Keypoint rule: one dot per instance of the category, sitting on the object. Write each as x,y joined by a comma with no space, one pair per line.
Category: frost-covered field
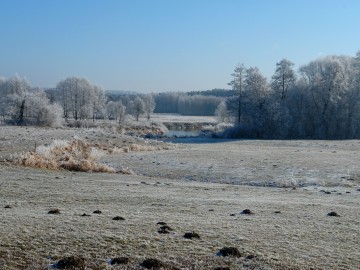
252,162
177,118
294,185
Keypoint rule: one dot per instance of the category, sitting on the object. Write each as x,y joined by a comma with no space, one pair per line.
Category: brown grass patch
75,155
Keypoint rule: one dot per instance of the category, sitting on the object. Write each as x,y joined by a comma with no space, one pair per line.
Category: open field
252,162
290,186
177,118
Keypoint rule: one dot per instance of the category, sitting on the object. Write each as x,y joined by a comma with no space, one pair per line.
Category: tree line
78,99
72,99
319,101
187,103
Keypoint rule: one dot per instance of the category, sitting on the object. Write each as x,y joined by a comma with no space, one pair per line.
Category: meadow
290,187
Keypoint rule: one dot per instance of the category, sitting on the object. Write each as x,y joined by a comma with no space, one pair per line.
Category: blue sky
173,45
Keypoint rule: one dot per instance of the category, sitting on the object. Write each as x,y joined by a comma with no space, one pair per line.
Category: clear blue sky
172,45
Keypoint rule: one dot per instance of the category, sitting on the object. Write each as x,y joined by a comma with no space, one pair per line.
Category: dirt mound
72,262
118,218
120,260
152,264
247,212
161,223
163,230
54,211
333,214
229,251
191,235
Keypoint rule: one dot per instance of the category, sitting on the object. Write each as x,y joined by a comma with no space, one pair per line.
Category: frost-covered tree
80,99
222,112
39,111
167,102
23,105
149,105
121,112
13,94
116,110
327,83
237,84
98,102
284,78
130,107
198,105
256,86
138,107
112,110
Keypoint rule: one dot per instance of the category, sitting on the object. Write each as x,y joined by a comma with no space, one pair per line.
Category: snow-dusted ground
191,188
252,162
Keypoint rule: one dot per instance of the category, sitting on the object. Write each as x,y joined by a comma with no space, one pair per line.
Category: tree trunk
21,113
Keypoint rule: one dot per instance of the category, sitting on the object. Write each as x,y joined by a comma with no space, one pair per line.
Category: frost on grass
75,155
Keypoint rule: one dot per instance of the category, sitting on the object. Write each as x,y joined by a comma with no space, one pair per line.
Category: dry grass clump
126,171
75,155
138,147
143,128
135,147
145,147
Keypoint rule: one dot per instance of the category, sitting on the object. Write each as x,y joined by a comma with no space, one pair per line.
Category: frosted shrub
96,153
223,126
138,148
43,150
60,143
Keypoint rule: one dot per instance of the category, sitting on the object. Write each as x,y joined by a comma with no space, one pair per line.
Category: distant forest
321,100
